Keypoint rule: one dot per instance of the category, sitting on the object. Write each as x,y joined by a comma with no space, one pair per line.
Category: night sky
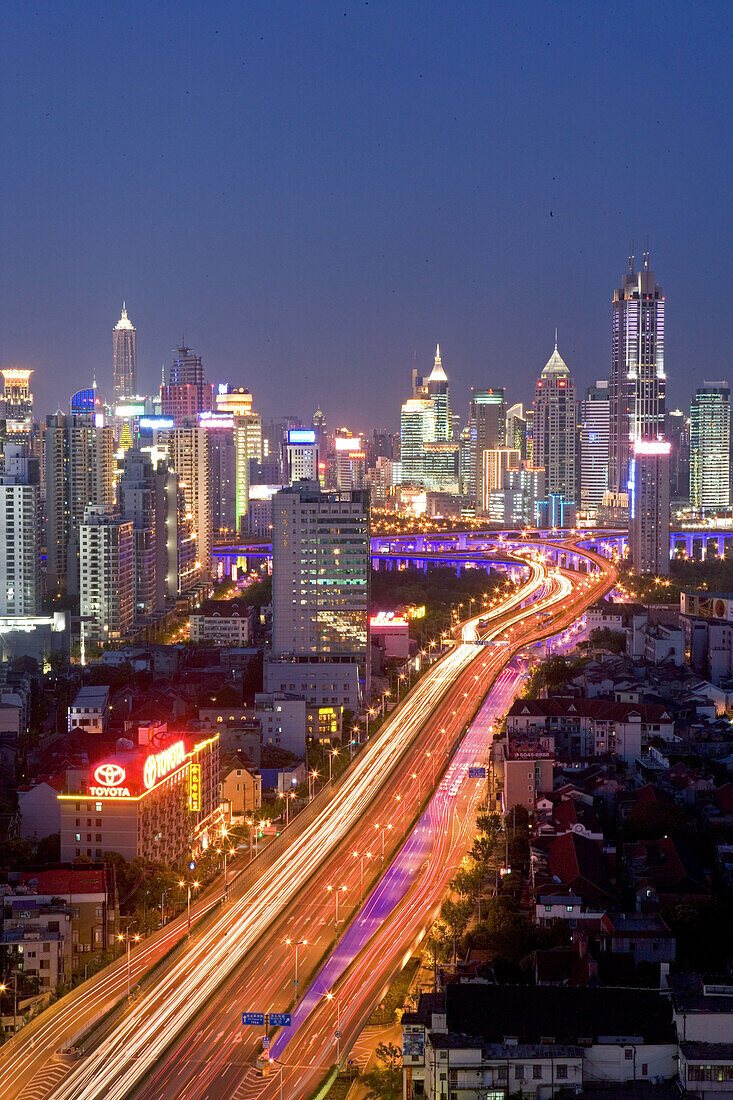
313,192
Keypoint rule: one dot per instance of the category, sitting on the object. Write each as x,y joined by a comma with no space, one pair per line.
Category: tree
605,638
49,849
16,854
385,1080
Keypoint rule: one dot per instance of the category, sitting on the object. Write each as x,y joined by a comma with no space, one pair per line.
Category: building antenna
631,256
555,337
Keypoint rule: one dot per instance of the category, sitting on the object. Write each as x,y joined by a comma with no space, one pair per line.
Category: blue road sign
257,1018
265,1042
477,773
280,1019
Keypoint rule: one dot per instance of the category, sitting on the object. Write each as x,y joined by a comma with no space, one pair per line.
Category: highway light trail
153,1021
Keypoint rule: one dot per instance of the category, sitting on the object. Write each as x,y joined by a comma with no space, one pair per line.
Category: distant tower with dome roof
554,427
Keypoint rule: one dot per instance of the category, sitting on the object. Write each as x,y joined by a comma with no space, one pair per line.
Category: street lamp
330,997
336,890
128,938
416,775
364,855
287,795
401,801
311,783
369,714
188,884
162,905
383,828
354,732
296,944
331,755
3,989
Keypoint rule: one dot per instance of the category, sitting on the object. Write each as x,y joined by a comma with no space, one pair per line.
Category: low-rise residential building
90,897
90,709
647,938
222,623
391,633
525,762
38,806
241,786
543,1041
585,728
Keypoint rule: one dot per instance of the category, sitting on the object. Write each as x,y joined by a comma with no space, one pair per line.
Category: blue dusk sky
315,193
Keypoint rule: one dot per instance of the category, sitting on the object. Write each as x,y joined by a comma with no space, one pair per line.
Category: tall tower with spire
124,358
638,382
554,427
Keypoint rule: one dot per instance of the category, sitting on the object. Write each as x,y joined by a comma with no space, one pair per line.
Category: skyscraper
79,471
638,381
301,455
594,443
554,427
487,426
124,358
710,448
187,393
20,533
428,452
106,572
649,523
188,452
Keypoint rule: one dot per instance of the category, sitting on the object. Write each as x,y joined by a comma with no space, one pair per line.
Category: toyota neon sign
109,779
162,763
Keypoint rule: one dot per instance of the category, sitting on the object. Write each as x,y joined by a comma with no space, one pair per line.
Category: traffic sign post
265,1042
476,773
280,1019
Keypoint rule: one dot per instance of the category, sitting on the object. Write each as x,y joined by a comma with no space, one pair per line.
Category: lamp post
188,884
354,733
312,776
128,938
331,755
363,856
162,905
227,852
3,989
330,997
296,944
401,801
369,714
336,890
416,775
383,828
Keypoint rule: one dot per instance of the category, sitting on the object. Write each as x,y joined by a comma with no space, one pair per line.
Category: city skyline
454,191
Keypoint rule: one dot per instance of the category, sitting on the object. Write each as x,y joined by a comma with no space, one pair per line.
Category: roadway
185,1006
214,1059
27,1064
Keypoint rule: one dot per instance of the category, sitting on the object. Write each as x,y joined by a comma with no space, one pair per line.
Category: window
519,1072
628,1055
536,1073
98,807
562,1072
644,1069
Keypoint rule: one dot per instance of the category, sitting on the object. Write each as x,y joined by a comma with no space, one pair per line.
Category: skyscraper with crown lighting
124,358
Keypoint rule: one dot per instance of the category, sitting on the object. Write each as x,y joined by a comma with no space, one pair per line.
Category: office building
710,449
638,382
677,432
554,427
649,524
20,533
487,424
236,402
17,398
178,569
516,429
188,455
350,462
106,575
516,503
496,462
595,413
137,491
248,449
223,463
187,393
158,801
301,455
320,578
428,453
124,358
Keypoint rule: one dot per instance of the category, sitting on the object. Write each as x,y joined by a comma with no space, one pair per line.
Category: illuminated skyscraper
554,427
124,358
429,455
710,448
188,451
638,381
594,437
487,426
187,393
649,523
20,533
